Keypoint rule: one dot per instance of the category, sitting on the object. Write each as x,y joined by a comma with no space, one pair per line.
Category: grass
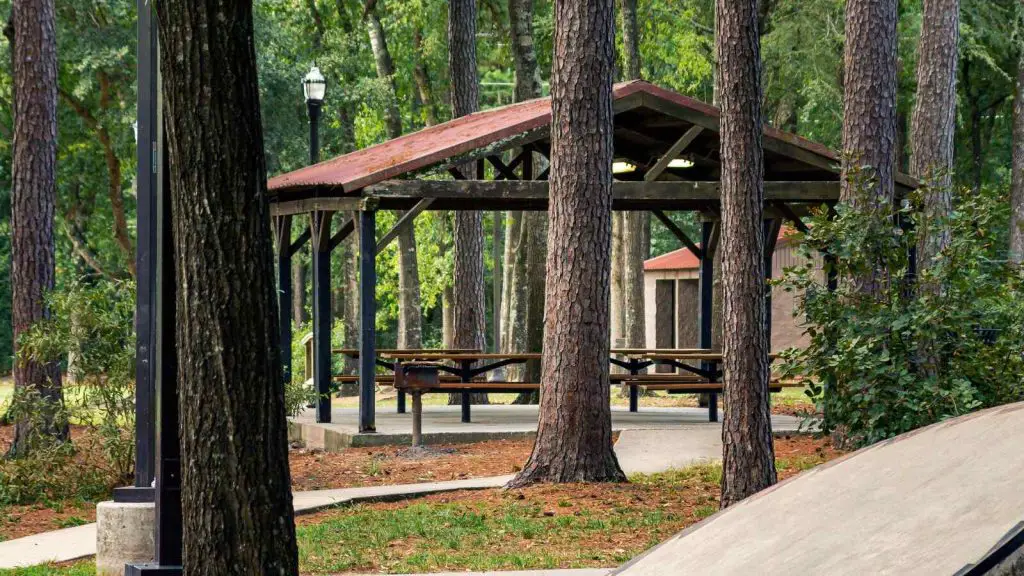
511,530
543,527
79,568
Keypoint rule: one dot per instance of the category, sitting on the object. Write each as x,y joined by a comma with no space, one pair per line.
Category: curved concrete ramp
929,502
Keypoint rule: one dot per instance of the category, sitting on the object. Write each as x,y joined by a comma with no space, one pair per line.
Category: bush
91,330
890,352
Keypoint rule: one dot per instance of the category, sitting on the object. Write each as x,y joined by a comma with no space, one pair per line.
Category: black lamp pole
313,106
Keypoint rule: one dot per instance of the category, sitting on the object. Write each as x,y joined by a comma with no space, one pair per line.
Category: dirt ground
317,470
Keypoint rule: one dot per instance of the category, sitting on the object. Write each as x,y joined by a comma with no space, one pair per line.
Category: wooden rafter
673,152
405,220
678,232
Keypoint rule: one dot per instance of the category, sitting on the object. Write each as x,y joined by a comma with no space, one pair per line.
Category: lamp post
314,86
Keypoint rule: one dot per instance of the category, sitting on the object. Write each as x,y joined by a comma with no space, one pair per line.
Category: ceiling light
680,163
622,168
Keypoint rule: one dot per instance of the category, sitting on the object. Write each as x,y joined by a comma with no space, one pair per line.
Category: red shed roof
435,144
683,259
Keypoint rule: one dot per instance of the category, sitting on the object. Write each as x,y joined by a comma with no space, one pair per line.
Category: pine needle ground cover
561,526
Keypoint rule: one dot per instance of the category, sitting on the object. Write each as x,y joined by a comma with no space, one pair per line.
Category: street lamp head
314,86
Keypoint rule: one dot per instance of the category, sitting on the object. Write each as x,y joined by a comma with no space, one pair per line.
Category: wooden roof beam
673,152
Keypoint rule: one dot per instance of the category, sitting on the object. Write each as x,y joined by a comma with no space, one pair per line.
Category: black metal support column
707,281
634,391
320,228
367,317
283,231
145,254
168,531
771,234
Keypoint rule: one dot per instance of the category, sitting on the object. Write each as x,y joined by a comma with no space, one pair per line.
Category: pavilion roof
648,120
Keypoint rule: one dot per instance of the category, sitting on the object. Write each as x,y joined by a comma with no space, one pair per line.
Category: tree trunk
636,226
630,41
410,317
748,460
933,125
636,242
574,432
1017,187
524,258
33,194
299,290
869,102
468,302
618,307
350,316
235,488
422,78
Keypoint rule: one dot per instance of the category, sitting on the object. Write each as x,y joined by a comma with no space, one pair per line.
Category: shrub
891,351
91,330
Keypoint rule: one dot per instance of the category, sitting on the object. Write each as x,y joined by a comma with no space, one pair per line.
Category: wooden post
320,227
367,317
283,231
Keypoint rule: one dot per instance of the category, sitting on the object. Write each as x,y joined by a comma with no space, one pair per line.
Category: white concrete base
124,535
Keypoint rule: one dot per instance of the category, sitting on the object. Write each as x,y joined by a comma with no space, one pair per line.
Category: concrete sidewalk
443,425
80,541
570,572
929,502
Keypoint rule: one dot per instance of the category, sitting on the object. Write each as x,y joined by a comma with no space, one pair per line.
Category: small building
672,298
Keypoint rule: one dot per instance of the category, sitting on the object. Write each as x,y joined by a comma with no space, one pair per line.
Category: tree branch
124,241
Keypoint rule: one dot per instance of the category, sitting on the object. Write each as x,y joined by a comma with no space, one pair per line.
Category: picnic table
463,371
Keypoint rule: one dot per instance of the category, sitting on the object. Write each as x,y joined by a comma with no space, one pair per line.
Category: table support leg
713,407
401,401
466,416
634,392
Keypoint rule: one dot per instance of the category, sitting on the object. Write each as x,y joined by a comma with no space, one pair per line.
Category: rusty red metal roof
683,259
434,144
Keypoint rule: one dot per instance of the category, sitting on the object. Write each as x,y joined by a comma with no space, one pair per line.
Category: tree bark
524,250
933,124
574,433
748,454
235,488
421,76
869,102
468,302
1017,186
636,226
299,290
33,195
630,41
410,316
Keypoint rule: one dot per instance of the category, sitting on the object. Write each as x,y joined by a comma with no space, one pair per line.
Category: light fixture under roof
680,163
623,167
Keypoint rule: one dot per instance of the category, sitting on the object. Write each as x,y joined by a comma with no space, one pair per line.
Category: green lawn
6,389
82,568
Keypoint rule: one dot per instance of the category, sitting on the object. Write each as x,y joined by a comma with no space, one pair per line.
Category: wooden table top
710,356
458,356
381,351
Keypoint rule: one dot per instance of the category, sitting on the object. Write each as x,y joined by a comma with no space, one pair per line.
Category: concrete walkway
442,425
929,502
652,451
80,541
639,451
571,572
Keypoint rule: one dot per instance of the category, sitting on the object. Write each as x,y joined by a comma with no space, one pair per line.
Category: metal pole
146,178
417,418
367,317
313,106
707,281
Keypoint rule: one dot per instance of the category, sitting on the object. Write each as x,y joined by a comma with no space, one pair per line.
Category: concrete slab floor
442,424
